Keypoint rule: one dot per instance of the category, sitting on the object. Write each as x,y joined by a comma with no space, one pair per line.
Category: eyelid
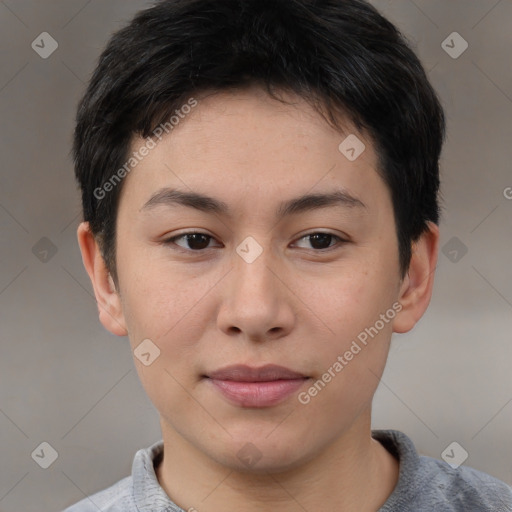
171,241
341,241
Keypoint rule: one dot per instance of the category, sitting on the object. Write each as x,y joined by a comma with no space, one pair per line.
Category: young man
259,183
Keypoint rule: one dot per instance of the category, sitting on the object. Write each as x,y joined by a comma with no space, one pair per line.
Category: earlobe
108,300
416,289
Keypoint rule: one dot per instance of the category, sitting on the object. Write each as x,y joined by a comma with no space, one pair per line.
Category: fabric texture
425,484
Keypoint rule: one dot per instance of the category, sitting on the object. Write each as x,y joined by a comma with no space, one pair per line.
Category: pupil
322,237
193,238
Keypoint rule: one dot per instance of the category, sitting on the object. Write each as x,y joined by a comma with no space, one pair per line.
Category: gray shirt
424,484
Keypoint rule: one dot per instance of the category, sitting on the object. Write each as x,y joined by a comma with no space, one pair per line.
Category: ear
107,298
416,289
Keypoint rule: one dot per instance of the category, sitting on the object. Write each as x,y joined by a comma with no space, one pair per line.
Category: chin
258,453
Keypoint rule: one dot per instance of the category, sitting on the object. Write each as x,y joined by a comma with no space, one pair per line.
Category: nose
258,301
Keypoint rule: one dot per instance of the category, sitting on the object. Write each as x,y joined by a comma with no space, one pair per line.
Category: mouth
247,386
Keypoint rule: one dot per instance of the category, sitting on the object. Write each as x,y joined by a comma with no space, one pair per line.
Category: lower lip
257,394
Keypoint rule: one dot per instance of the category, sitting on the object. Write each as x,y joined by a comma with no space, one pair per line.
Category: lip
248,386
245,373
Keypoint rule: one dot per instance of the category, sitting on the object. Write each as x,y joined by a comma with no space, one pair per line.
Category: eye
196,241
320,241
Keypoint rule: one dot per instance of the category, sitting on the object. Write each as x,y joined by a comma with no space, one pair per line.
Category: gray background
66,381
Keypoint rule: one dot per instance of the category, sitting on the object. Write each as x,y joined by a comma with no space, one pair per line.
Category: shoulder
426,484
139,491
462,489
116,498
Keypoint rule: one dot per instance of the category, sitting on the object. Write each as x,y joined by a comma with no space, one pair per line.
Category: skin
296,305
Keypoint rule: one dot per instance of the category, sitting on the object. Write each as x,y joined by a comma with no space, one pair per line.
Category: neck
354,473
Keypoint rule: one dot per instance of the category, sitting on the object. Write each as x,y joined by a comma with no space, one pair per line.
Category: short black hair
342,56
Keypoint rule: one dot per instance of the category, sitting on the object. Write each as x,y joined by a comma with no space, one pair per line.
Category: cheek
347,301
350,305
168,310
349,371
158,300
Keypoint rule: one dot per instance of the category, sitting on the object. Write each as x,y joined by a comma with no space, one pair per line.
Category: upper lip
244,373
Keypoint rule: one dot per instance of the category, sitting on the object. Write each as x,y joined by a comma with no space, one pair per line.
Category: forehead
239,144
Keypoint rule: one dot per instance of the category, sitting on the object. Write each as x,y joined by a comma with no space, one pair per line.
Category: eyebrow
173,197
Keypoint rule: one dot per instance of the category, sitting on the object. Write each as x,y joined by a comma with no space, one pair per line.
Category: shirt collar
150,497
147,492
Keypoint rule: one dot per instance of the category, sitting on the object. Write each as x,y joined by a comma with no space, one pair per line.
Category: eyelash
171,241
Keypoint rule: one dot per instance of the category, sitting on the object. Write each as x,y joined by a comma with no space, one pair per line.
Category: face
261,284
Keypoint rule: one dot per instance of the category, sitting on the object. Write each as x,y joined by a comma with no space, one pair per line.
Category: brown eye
321,241
193,241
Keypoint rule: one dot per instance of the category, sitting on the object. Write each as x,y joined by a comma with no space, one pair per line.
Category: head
254,104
